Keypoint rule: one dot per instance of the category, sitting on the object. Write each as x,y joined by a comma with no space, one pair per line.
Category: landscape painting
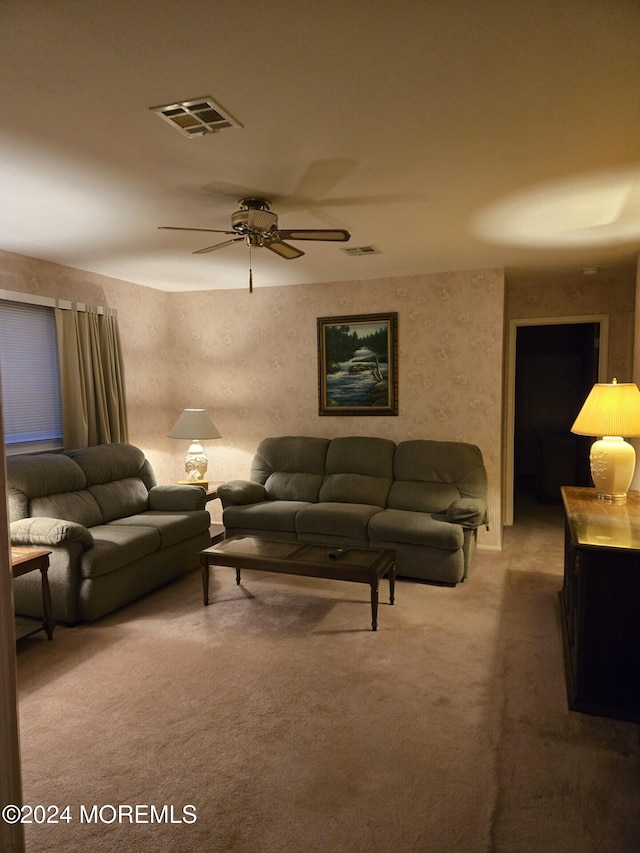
357,365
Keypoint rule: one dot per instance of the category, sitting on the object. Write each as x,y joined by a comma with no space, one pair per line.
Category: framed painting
358,365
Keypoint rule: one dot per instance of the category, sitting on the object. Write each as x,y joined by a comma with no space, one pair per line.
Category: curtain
91,378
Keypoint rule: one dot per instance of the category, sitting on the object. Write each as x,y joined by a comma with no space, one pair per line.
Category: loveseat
113,533
424,499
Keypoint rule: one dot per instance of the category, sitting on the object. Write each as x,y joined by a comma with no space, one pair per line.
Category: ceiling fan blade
178,228
283,249
338,234
217,245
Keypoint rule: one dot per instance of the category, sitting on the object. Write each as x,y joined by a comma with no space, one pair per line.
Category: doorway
552,365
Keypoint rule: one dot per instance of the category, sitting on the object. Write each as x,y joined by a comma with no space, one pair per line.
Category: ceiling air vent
361,250
196,116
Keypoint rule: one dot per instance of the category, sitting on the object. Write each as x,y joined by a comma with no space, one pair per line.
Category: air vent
196,116
361,250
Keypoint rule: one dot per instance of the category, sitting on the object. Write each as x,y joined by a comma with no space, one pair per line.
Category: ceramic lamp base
613,463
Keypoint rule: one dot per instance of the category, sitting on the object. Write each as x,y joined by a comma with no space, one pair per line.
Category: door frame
510,408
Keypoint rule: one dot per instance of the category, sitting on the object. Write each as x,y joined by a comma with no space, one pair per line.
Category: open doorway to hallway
556,366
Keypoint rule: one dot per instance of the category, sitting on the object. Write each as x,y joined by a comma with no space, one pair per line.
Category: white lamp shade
194,424
610,409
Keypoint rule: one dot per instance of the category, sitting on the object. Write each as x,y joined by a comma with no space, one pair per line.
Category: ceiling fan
257,225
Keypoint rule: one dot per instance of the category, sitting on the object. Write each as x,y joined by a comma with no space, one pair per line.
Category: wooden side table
599,604
24,560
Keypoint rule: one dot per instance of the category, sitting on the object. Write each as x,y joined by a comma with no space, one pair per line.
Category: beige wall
535,297
577,295
251,360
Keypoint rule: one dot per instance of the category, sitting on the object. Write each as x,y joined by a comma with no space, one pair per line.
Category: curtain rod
50,302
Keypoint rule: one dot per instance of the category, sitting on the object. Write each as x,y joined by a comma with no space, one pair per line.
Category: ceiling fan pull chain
250,271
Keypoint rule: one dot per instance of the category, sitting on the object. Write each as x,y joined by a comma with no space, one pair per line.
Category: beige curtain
91,378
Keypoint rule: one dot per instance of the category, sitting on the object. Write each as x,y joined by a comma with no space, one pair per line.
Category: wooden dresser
600,604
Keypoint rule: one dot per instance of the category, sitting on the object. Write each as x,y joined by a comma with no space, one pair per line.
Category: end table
25,560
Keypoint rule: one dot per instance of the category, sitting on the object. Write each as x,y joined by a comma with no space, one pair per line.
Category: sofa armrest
41,530
467,512
238,492
177,498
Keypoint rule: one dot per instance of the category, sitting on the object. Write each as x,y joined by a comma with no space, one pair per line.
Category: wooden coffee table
359,565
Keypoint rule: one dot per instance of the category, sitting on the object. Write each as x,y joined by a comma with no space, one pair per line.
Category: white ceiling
457,135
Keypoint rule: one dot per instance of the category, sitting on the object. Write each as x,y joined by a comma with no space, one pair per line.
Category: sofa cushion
120,497
422,497
359,470
103,463
31,477
293,486
290,467
343,520
266,515
79,506
415,528
452,462
173,527
115,546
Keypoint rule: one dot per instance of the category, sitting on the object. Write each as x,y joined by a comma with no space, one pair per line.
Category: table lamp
191,423
611,411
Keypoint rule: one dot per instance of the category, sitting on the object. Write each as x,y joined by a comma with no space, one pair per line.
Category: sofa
113,533
424,499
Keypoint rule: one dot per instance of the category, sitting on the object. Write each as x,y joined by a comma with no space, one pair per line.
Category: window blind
31,400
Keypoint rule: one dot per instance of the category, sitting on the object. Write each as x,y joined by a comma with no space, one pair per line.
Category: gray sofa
114,534
424,499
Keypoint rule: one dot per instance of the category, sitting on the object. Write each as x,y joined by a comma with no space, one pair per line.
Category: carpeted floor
287,725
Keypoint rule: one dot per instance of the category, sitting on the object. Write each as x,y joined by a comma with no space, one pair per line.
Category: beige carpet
289,726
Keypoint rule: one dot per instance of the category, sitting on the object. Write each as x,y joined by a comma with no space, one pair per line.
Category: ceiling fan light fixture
254,215
258,225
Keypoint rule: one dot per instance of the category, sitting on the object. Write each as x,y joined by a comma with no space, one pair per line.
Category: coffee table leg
374,605
237,576
205,580
392,584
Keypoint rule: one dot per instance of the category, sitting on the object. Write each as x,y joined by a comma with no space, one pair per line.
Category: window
31,400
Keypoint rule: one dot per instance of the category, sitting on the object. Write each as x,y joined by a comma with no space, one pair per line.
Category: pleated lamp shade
611,411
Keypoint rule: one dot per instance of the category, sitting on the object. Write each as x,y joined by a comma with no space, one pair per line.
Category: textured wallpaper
577,295
252,362
251,359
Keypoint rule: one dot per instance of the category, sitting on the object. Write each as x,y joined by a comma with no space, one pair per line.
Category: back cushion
120,498
359,470
104,463
430,475
30,477
422,497
79,506
290,467
119,478
439,461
